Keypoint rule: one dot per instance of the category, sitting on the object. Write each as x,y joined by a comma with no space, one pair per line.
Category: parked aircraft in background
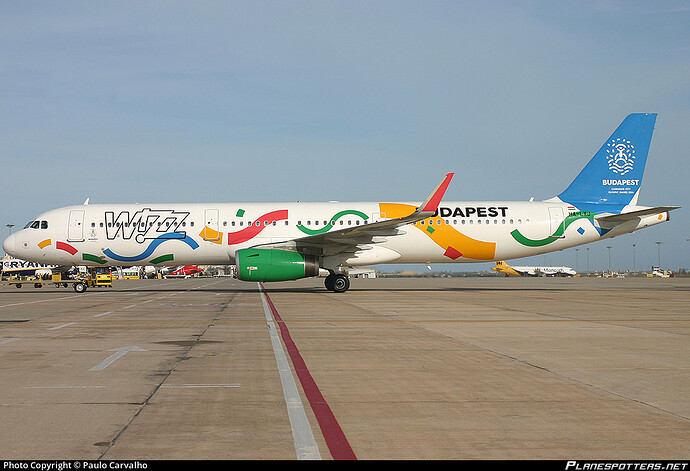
184,271
656,271
16,267
287,241
503,267
151,271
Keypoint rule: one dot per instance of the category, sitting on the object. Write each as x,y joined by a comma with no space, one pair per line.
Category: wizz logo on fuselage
144,224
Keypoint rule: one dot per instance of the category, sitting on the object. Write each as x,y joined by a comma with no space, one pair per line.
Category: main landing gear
337,282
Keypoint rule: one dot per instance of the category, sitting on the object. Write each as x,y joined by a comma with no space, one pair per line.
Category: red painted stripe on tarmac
335,438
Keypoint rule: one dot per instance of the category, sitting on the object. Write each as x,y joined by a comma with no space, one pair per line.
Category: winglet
430,205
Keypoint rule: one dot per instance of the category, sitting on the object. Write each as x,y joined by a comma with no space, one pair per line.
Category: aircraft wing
351,238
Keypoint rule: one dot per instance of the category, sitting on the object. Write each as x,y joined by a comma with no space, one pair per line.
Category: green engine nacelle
274,265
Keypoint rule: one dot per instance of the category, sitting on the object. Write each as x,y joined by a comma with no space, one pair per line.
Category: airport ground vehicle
80,282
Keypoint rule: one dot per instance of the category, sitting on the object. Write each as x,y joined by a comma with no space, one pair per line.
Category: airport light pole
609,247
633,246
577,259
658,249
587,259
10,226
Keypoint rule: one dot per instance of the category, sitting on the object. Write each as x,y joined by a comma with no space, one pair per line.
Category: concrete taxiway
444,368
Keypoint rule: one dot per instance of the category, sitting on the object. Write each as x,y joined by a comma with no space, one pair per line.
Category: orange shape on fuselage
211,235
454,243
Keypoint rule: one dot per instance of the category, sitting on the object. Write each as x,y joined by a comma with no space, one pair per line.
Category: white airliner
508,270
288,241
14,267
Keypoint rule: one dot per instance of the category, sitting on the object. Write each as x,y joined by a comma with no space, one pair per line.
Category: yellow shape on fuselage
211,235
455,243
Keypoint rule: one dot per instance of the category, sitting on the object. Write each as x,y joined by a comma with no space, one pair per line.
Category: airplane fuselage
180,234
288,241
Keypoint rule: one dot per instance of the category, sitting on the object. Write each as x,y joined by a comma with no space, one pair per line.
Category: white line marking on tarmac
302,435
9,340
119,353
34,302
61,326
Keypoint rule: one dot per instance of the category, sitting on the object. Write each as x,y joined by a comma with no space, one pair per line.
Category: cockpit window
37,225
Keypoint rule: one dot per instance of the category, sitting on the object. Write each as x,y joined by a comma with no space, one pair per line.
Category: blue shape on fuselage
152,247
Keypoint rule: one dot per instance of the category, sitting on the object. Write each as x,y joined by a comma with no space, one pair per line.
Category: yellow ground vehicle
103,280
83,280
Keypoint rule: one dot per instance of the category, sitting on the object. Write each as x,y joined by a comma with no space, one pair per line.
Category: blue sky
340,100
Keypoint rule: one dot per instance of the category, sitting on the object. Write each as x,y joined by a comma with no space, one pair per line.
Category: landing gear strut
337,282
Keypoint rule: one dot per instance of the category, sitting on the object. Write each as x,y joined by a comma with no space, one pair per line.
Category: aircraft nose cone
9,245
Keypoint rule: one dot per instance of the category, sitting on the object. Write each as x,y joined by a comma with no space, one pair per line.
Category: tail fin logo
620,155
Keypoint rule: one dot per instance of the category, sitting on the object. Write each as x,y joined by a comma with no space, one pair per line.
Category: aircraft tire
329,281
341,283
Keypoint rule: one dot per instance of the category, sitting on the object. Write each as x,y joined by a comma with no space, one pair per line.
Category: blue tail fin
613,177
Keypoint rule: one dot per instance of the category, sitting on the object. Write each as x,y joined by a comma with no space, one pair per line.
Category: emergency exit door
211,229
555,219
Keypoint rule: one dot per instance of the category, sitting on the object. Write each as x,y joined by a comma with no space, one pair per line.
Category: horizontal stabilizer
618,218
